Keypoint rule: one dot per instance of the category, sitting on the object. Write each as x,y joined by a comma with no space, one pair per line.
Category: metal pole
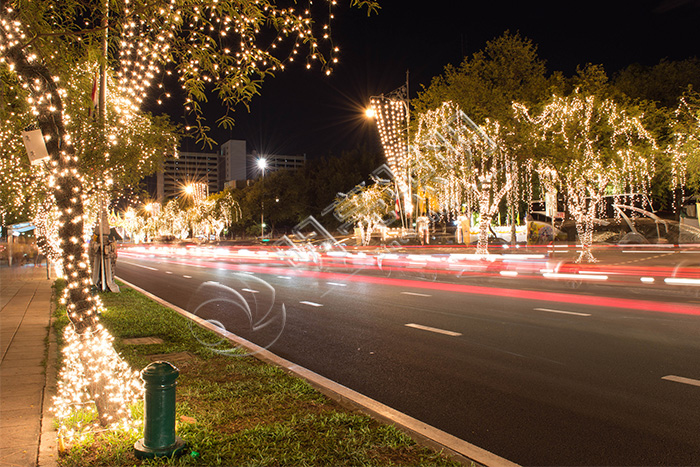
408,169
103,274
103,63
262,207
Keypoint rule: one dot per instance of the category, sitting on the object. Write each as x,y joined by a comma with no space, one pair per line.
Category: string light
465,164
607,151
81,174
206,217
683,149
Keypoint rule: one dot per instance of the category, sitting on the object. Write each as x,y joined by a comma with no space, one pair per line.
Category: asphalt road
540,377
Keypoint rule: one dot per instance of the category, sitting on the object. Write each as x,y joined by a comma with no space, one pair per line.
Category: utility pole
101,116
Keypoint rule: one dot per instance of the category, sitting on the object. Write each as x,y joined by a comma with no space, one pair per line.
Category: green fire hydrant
159,438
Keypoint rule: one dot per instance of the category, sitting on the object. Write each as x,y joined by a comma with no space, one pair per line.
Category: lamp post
392,114
262,164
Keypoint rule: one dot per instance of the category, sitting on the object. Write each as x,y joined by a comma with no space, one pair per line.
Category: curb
422,433
48,446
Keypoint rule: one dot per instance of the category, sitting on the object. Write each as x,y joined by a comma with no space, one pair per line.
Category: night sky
305,112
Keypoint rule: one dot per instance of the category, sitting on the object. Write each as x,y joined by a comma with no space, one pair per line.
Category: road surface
540,374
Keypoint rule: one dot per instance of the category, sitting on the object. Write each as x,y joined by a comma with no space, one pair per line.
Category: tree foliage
50,50
663,83
684,150
588,147
484,86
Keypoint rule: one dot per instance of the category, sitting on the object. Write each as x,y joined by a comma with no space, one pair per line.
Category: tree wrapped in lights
392,115
222,46
469,164
684,149
366,208
204,217
589,147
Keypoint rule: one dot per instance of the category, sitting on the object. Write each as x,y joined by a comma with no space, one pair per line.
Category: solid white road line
310,303
681,281
656,252
140,266
548,310
345,395
437,330
680,379
415,294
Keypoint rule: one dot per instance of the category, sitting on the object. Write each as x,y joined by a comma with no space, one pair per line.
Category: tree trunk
584,228
68,192
482,246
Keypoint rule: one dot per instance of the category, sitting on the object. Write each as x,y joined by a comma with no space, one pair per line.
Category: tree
589,147
366,207
684,149
222,46
663,83
470,164
507,69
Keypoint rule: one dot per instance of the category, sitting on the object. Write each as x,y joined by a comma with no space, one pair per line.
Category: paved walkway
25,299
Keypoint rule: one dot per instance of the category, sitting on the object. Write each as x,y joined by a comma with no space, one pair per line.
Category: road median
235,409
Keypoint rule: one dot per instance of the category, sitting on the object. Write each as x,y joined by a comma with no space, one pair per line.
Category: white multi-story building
185,169
232,167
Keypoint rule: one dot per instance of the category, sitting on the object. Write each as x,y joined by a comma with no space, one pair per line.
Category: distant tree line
485,85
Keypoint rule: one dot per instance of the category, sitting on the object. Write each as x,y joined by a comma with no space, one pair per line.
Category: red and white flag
93,97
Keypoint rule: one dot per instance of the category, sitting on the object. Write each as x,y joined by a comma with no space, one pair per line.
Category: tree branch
62,33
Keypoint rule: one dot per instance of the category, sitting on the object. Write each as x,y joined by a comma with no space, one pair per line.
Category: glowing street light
262,164
392,115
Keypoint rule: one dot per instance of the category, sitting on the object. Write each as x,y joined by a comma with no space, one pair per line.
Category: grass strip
237,410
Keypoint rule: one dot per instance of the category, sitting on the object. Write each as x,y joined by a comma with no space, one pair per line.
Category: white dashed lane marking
549,310
304,302
416,294
436,330
680,379
141,266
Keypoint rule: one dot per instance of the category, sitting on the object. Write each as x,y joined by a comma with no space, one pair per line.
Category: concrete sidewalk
25,314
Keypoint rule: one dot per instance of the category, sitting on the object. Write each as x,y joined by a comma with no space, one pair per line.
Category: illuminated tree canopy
470,164
588,147
685,146
49,52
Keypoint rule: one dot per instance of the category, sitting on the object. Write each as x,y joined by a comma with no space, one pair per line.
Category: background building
233,164
188,167
232,167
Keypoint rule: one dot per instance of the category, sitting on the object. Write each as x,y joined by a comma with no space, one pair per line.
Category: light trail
506,293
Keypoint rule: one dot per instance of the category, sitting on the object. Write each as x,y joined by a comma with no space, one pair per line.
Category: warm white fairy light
606,150
469,163
685,146
366,208
392,121
213,41
91,366
205,217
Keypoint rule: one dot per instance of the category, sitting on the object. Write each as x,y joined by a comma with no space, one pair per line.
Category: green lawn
237,410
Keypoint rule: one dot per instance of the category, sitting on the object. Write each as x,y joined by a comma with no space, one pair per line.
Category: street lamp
262,164
392,114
